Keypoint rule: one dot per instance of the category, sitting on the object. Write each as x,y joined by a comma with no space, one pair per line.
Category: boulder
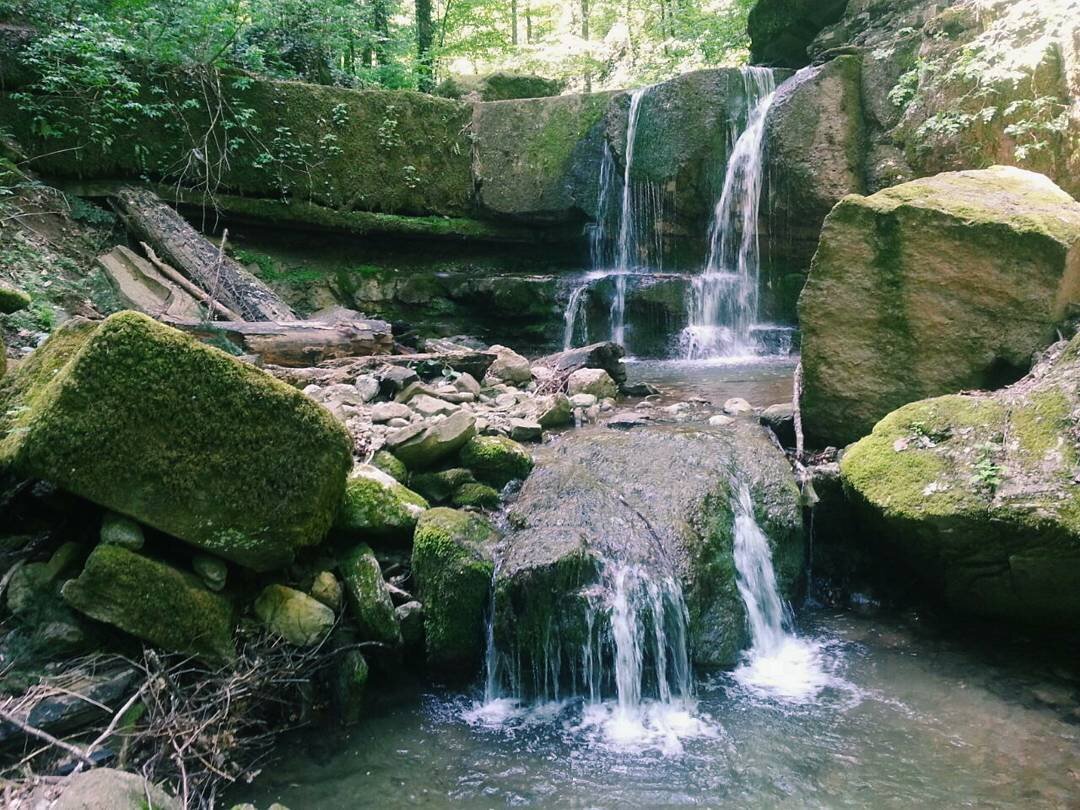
376,505
476,496
118,530
780,419
146,421
593,381
420,447
293,615
452,566
350,677
325,588
978,494
509,367
153,601
391,465
553,411
369,598
12,300
658,499
496,460
103,789
607,356
942,284
437,487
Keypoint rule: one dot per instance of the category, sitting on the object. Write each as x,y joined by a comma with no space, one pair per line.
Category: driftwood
186,250
296,343
607,356
141,285
346,371
184,283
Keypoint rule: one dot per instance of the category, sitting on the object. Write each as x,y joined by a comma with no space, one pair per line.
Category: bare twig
26,728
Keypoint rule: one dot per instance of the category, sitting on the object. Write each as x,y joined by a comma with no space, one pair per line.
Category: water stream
723,301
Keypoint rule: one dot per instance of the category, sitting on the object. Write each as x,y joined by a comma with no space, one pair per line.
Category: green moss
1039,425
439,486
496,460
369,599
562,126
389,464
452,565
377,505
153,601
143,419
12,300
480,496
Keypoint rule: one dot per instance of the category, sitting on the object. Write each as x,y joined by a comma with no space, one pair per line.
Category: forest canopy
584,44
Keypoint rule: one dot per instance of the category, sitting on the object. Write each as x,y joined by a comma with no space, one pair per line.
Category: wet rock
592,506
452,566
902,258
293,615
606,356
422,448
118,530
350,677
391,465
476,496
376,505
976,493
439,486
737,406
153,601
213,451
720,420
496,460
626,420
780,419
594,381
525,430
210,570
582,400
410,616
369,598
509,367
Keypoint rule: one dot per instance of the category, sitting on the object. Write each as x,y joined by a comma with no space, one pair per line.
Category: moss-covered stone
479,496
942,284
499,86
978,493
438,487
496,460
350,686
424,447
118,530
12,300
369,598
391,465
452,565
376,505
154,602
326,589
293,615
148,422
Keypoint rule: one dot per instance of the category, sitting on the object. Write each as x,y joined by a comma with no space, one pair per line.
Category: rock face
816,147
142,419
656,498
452,565
153,601
938,285
978,493
781,30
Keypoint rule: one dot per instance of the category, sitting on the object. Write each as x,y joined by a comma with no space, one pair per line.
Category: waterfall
778,663
723,300
620,251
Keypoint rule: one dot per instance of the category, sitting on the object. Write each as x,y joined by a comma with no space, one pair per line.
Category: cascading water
622,239
778,663
723,300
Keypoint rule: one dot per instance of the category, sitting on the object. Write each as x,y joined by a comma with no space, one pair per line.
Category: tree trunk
181,246
585,36
296,344
425,67
528,22
513,22
380,24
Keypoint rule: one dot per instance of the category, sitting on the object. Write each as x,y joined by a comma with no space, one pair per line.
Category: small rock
410,617
467,383
434,442
313,391
395,378
118,530
325,588
524,430
293,615
506,400
398,422
626,420
211,570
343,393
509,367
479,496
554,411
369,598
583,400
496,460
368,387
593,381
391,465
719,420
542,373
736,406
428,406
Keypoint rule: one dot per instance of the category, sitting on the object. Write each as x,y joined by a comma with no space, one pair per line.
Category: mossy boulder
496,460
942,284
477,496
293,615
369,598
978,493
391,465
421,447
350,678
12,300
499,86
146,421
376,505
153,601
452,565
439,486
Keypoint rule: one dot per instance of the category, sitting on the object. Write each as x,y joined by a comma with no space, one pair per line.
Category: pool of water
761,381
904,715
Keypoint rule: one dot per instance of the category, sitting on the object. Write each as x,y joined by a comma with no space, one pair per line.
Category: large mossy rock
499,86
942,284
452,564
153,601
496,460
978,493
369,598
659,500
377,506
143,419
781,30
425,445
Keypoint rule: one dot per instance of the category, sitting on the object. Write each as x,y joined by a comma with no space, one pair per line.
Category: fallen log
295,343
182,247
607,356
346,371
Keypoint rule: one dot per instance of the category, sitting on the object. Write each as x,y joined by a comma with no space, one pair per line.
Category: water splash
723,301
778,664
